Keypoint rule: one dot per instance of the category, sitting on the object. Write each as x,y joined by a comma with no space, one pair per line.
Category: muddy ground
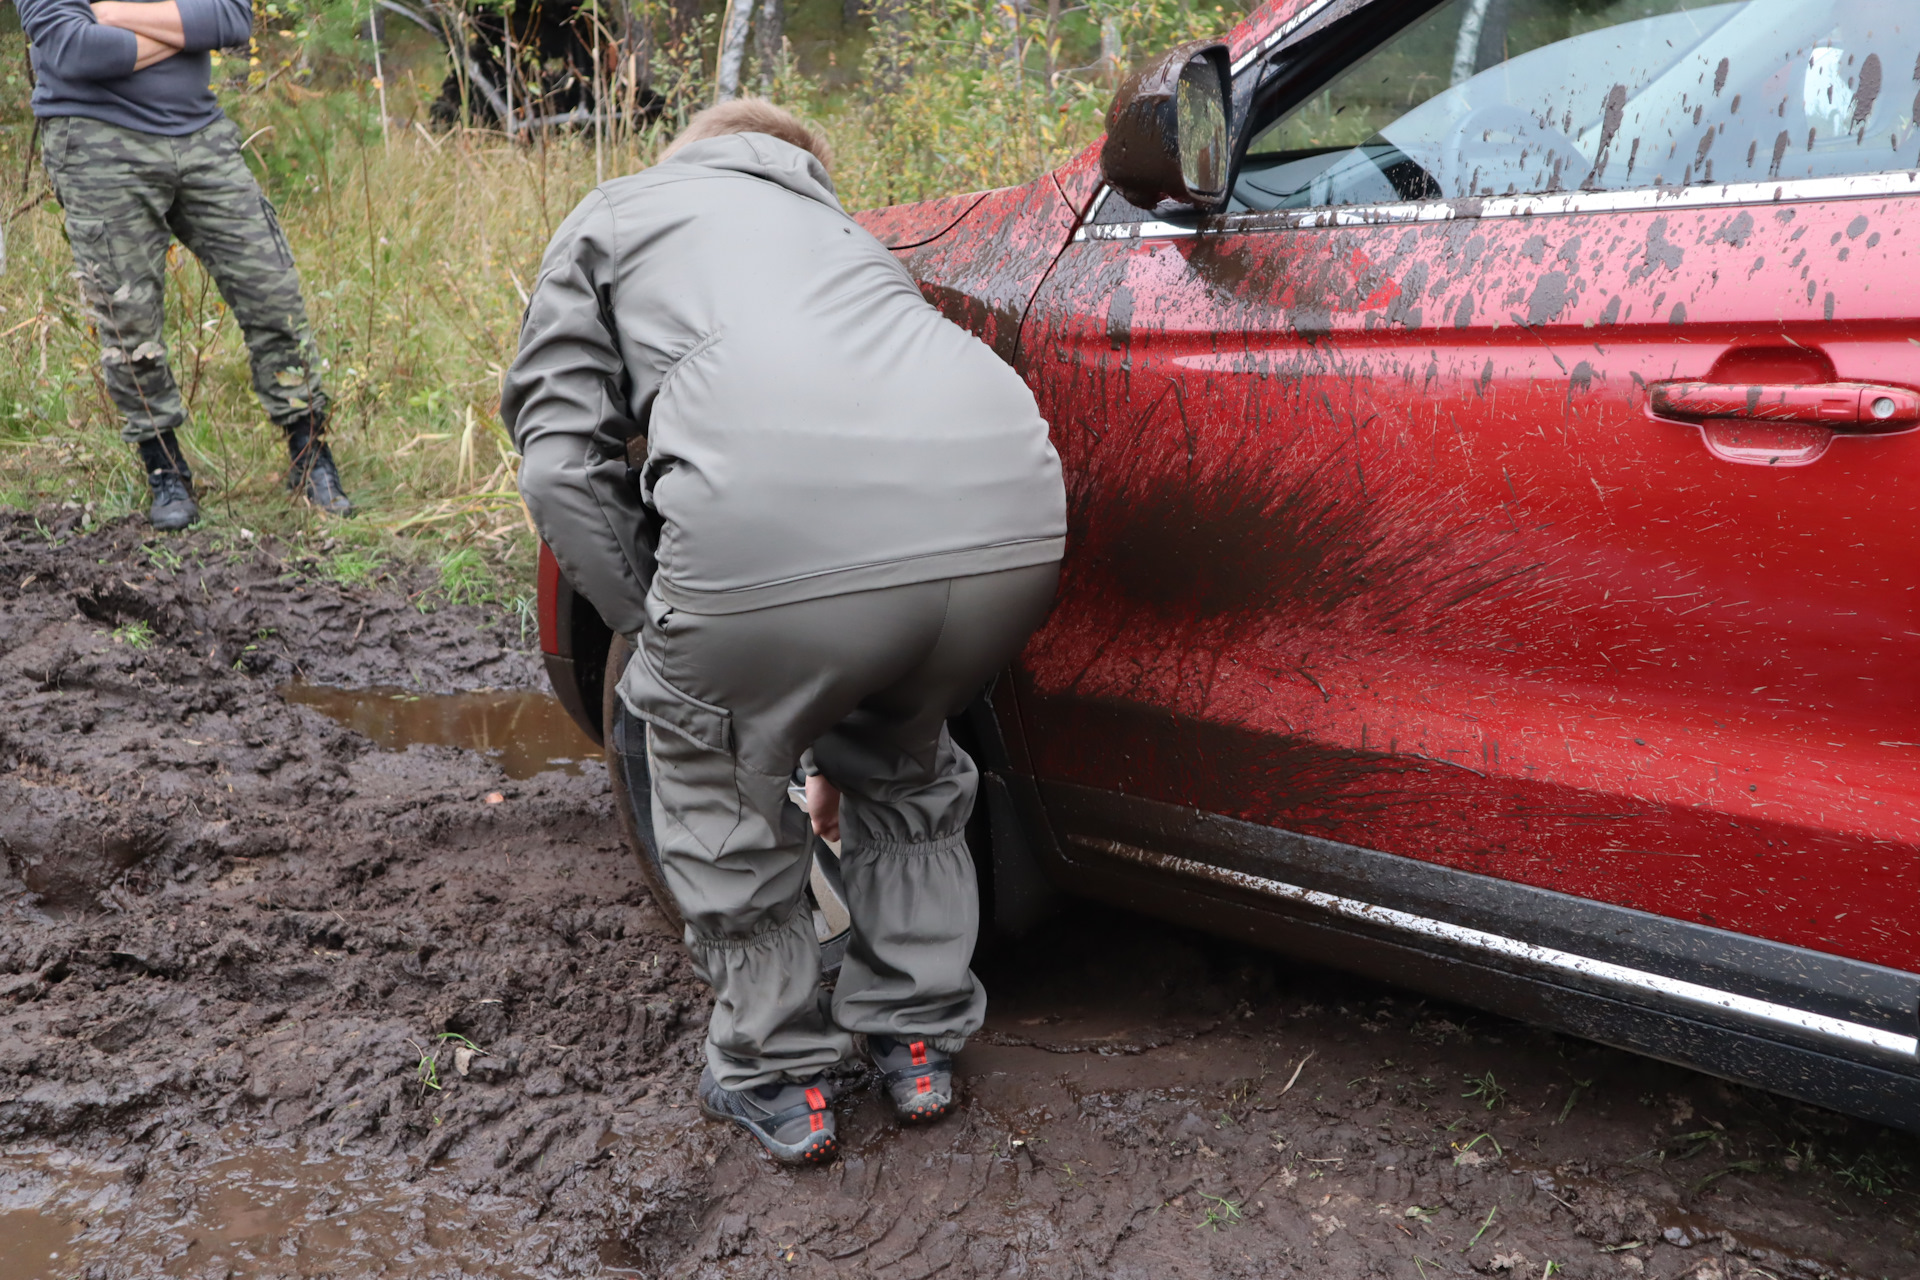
242,951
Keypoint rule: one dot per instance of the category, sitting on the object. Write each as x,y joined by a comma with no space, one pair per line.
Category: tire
632,786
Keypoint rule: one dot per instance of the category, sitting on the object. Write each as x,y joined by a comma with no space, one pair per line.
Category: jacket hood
761,155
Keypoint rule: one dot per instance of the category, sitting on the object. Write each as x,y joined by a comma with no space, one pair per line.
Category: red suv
1495,497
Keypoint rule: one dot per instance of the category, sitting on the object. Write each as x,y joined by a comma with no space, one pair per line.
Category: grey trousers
866,681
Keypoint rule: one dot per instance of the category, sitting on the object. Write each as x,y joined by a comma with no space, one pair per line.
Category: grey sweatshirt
84,69
804,423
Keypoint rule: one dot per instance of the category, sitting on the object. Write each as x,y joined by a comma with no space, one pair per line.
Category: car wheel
632,786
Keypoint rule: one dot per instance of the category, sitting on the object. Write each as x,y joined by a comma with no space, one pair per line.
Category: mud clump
274,1002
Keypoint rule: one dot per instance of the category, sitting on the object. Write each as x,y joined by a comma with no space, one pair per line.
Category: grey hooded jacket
801,421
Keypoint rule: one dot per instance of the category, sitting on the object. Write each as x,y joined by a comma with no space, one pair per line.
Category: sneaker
170,482
918,1078
313,474
793,1121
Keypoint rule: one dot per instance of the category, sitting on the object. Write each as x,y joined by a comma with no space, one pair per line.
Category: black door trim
1761,991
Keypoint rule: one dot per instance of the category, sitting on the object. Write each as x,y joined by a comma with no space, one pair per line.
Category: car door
1520,477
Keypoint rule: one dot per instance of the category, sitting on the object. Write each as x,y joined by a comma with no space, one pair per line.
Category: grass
1573,1096
426,1072
1221,1212
352,567
1489,1090
1867,1176
416,248
137,634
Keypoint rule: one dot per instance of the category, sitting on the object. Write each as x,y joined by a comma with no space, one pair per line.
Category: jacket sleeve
565,402
69,44
215,24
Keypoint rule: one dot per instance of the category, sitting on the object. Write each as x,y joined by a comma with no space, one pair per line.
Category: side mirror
1167,130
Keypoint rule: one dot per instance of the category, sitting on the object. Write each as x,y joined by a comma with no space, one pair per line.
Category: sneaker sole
918,1112
821,1149
922,1115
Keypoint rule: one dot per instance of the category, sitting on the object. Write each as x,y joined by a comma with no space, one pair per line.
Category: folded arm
158,22
192,25
564,400
69,42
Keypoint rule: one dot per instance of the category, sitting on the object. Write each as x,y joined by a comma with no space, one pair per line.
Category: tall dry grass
416,248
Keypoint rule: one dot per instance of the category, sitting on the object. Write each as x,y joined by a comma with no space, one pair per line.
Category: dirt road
277,1002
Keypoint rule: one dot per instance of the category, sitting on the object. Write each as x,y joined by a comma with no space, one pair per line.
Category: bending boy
828,515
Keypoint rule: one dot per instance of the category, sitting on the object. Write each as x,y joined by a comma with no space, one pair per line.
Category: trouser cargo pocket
695,775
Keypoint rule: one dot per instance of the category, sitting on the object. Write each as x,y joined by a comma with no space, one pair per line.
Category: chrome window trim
1280,33
1855,186
1619,975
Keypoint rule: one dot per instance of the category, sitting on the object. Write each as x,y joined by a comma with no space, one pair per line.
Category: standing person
827,515
139,153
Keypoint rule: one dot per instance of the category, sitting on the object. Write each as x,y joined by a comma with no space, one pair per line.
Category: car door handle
1838,406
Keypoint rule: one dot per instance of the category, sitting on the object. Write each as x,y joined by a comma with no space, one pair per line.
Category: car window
1511,97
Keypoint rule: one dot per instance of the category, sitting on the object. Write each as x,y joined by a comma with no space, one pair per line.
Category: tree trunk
769,41
733,49
1112,52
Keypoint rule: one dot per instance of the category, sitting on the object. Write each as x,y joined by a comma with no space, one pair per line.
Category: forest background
418,223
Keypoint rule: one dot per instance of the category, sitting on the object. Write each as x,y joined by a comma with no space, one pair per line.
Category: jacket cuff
214,24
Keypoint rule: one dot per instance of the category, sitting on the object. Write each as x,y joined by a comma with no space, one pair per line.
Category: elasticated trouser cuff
769,1020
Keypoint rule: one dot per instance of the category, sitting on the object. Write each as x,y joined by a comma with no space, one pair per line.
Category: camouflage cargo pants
127,195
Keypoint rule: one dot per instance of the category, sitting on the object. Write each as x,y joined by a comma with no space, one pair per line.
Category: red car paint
1376,535
549,598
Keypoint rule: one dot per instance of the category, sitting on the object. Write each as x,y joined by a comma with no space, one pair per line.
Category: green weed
1490,1091
1489,1138
1867,1176
1221,1213
465,577
1573,1096
352,567
137,634
427,1070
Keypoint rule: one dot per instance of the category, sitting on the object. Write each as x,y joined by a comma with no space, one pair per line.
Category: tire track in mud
242,953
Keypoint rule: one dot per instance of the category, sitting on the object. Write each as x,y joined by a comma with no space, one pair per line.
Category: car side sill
1852,1033
1823,1002
1830,1080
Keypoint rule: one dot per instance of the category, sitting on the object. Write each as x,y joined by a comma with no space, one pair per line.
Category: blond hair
753,115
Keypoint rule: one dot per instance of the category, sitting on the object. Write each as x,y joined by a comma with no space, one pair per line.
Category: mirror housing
1169,130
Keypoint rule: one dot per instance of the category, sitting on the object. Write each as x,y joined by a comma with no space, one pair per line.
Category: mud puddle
242,1210
525,731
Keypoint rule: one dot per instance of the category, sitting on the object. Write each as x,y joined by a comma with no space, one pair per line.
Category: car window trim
1856,186
1281,33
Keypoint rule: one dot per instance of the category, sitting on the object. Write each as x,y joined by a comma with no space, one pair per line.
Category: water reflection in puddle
524,731
243,1211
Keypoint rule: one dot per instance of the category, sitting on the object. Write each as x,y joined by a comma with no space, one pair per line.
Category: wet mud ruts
275,1002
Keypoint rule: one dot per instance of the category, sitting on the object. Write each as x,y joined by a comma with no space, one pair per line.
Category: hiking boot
918,1078
171,483
313,475
793,1121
